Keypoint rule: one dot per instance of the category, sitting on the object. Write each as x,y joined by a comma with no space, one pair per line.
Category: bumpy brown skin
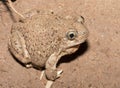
37,38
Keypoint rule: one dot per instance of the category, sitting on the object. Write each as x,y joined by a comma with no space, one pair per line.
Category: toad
41,40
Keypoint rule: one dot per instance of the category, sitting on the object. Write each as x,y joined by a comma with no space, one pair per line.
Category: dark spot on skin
38,11
116,32
52,12
41,43
21,20
90,85
59,39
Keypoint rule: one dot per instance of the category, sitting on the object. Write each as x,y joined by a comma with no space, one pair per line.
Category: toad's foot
41,76
59,73
10,4
28,66
49,84
52,74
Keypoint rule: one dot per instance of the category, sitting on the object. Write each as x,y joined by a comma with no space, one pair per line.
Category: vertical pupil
71,35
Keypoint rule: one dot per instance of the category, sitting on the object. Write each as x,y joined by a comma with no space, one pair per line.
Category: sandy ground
95,65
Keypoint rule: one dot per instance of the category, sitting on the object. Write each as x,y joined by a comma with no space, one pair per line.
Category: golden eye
71,35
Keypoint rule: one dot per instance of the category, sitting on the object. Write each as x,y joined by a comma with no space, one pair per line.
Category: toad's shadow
67,58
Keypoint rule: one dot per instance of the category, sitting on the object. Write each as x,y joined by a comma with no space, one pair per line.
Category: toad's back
42,34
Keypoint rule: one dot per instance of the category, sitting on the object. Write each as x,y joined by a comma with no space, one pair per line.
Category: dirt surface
95,65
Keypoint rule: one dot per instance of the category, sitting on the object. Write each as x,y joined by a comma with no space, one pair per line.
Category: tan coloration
44,38
10,4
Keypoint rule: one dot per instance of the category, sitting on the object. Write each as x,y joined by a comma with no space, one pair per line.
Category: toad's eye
71,35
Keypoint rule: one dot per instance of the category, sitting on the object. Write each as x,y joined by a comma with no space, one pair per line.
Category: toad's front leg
51,72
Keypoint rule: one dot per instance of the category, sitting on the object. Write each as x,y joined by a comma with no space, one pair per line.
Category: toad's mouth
75,45
72,48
